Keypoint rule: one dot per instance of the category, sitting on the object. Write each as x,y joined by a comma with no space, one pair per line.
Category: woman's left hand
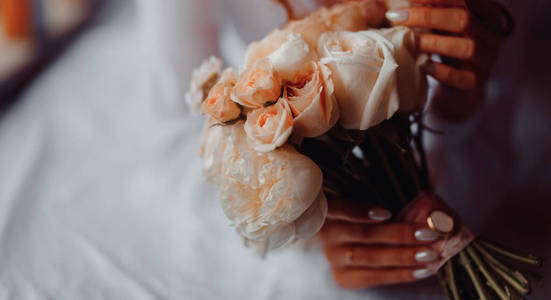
467,46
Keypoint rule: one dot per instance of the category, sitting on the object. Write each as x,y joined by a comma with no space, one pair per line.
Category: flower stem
525,258
418,138
482,268
442,278
451,280
464,260
509,279
388,169
519,284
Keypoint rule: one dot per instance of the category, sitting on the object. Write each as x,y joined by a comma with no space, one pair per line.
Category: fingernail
422,273
397,15
379,214
426,234
426,255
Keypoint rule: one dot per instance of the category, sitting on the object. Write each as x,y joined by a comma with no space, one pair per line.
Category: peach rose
257,85
269,127
350,16
271,198
202,79
218,103
313,103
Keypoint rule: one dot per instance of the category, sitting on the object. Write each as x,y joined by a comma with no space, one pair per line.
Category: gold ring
349,256
441,222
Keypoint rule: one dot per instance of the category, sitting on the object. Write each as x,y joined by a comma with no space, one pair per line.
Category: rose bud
269,127
218,104
257,85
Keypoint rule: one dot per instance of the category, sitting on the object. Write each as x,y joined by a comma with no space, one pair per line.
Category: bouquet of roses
326,105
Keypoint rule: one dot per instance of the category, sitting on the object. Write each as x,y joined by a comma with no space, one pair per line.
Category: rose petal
412,84
314,105
293,58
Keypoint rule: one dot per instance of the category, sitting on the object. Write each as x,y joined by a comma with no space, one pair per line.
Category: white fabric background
101,195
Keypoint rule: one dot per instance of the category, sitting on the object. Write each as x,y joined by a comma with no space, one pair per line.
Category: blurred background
101,195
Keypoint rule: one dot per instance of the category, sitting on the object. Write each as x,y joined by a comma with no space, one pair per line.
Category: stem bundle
391,170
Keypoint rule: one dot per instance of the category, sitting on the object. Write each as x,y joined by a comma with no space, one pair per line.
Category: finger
355,211
447,19
379,256
460,79
458,3
456,47
358,278
389,233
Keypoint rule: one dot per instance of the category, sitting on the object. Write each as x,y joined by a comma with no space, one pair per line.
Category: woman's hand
467,45
365,250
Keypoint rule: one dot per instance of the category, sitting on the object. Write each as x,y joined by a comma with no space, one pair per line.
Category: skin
383,251
467,48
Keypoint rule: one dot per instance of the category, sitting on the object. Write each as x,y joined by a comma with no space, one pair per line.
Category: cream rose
375,73
269,127
202,79
351,16
271,198
218,103
289,54
257,85
364,74
313,102
263,48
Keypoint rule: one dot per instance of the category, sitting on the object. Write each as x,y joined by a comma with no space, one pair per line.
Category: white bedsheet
100,198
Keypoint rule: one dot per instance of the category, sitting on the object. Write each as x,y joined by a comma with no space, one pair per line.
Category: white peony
271,198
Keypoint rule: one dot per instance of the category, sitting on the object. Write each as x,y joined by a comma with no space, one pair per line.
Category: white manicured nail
426,235
426,256
422,273
397,15
379,214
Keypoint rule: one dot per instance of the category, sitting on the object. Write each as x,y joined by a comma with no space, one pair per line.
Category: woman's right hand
365,249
